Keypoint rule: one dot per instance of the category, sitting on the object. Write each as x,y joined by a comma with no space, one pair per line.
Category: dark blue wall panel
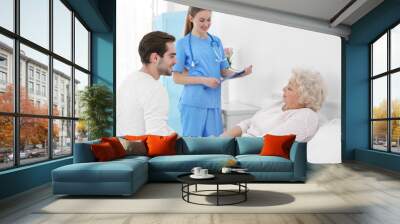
103,62
24,178
102,58
377,158
357,99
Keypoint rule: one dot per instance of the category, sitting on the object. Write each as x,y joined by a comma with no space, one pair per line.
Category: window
6,73
3,78
7,142
385,95
30,87
33,150
3,72
81,81
44,91
37,74
62,75
62,29
43,77
34,21
55,126
395,47
7,14
38,89
30,72
81,45
62,130
3,61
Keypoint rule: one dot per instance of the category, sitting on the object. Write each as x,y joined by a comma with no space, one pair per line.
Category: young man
142,104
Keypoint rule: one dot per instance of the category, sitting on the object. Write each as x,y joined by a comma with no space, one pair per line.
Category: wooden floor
378,188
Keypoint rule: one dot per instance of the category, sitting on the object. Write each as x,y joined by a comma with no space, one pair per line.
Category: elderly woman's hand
248,70
236,131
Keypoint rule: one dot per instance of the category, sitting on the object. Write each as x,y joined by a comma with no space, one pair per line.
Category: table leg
217,194
188,189
245,193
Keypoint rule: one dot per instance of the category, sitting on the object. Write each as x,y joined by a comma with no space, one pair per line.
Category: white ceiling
321,9
316,15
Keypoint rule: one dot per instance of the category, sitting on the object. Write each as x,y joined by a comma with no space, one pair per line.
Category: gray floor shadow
255,198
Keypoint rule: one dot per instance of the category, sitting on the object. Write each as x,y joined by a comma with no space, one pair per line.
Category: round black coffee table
238,179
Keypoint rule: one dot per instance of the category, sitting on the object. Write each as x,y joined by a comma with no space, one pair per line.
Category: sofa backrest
249,145
197,145
83,152
206,145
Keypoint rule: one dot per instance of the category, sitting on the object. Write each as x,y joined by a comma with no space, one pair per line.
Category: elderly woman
302,99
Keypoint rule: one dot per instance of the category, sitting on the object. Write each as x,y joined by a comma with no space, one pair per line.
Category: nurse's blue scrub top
205,65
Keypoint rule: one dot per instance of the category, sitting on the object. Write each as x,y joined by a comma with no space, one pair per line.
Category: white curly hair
311,88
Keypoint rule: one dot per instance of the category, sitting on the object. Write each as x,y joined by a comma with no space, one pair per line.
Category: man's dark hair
154,42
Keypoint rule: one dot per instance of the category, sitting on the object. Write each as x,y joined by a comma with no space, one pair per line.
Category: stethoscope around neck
215,47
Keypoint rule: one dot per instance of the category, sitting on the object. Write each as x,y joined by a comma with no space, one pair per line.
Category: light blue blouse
206,64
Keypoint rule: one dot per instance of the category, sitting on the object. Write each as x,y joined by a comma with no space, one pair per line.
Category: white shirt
142,106
301,122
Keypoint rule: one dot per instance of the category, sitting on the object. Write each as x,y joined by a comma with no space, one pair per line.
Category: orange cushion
116,145
161,145
103,151
277,145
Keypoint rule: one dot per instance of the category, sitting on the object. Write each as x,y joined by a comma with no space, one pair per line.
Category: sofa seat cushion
111,171
257,163
185,163
133,158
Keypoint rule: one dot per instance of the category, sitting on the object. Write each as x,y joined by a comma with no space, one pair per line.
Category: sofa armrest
83,152
298,155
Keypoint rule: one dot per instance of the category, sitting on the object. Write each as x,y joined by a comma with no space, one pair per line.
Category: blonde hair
311,88
192,11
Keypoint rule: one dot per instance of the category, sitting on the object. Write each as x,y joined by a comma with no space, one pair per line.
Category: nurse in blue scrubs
201,66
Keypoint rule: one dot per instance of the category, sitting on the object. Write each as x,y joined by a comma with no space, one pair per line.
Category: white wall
134,20
274,50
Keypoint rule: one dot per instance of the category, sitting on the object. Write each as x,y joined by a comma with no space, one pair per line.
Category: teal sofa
125,176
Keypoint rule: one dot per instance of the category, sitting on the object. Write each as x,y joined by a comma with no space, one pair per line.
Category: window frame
15,71
388,74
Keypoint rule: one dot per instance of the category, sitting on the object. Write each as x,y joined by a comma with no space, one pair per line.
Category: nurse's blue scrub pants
200,122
